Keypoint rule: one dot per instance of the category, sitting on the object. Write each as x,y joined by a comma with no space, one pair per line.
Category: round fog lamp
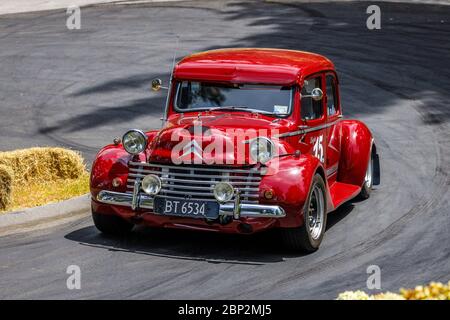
223,192
151,184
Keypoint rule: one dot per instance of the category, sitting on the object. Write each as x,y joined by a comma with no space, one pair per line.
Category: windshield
267,99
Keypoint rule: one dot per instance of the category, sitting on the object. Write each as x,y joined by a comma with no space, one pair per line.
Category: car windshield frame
236,108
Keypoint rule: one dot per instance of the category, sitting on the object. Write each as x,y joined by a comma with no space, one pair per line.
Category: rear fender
356,147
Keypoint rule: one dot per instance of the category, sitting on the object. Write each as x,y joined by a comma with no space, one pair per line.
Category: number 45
318,148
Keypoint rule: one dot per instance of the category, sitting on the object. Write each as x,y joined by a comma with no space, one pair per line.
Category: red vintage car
253,139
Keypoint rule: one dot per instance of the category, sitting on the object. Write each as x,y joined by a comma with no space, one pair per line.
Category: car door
312,120
333,114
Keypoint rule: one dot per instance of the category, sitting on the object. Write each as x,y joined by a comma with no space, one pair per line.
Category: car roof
251,65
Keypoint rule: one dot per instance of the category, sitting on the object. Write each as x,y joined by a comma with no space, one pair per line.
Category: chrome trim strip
183,198
237,205
165,191
210,182
123,199
231,170
254,210
146,202
205,199
210,188
135,200
303,131
331,170
210,196
137,173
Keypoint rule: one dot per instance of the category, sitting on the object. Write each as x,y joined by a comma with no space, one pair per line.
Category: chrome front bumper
235,209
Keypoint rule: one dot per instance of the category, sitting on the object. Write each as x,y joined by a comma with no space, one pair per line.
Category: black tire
111,224
301,238
366,188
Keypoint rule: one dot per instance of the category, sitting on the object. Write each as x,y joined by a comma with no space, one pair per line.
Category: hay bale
44,164
6,182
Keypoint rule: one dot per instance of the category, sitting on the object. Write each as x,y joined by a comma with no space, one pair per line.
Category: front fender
112,162
290,180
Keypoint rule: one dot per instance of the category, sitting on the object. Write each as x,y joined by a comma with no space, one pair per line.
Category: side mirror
316,94
156,84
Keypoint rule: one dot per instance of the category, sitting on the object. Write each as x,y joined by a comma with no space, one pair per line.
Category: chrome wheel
316,213
309,235
369,176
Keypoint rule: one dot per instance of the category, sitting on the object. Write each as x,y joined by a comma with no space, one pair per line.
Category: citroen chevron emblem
192,147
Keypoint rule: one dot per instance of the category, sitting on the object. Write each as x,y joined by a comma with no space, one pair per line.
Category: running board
341,192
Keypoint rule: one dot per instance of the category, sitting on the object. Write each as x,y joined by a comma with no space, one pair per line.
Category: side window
311,109
331,96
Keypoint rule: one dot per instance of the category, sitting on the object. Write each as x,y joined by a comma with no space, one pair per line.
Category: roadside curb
30,218
412,2
30,6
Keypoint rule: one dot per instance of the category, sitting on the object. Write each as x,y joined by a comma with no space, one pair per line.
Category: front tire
111,224
309,236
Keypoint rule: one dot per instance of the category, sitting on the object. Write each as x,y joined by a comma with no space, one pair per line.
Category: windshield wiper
239,108
228,108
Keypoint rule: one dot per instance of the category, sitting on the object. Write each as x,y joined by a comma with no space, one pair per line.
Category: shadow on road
108,116
336,216
256,249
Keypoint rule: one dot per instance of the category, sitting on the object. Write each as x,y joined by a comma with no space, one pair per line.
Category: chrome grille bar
197,182
199,168
143,172
235,183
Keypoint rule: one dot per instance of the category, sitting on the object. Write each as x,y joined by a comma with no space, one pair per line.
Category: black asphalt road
81,88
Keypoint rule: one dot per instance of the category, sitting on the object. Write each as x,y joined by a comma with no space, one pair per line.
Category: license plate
186,208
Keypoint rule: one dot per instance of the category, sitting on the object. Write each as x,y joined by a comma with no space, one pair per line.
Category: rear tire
366,188
111,224
309,236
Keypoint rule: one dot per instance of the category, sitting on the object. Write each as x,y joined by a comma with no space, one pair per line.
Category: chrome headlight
151,184
134,141
223,192
261,149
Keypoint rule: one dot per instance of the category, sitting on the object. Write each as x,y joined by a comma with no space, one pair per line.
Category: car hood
213,138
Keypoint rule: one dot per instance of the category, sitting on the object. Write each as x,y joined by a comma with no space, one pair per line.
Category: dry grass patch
6,181
40,176
37,194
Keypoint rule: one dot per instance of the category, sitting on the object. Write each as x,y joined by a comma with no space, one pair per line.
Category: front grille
197,182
